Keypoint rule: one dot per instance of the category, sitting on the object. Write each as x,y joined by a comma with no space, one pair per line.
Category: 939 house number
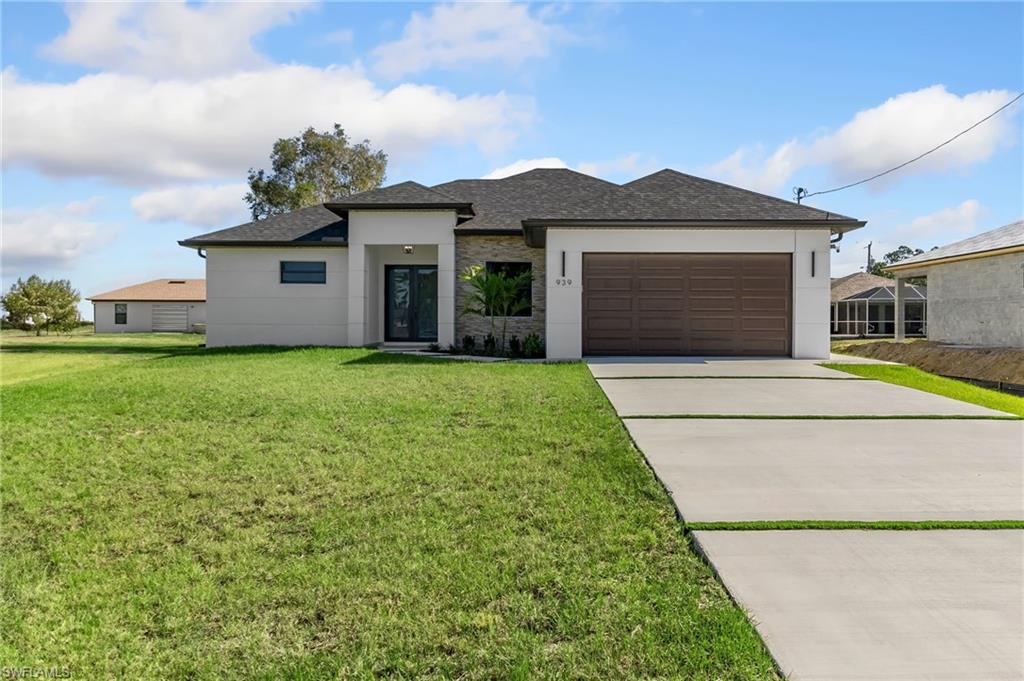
563,282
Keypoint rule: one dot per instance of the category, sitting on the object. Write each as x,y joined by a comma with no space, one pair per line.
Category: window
295,272
514,269
120,313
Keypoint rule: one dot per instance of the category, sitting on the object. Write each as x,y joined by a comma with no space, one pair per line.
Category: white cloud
134,129
630,163
523,165
52,235
201,205
935,229
168,38
926,231
879,138
465,33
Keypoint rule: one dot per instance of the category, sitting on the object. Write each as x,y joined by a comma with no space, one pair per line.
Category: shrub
468,344
515,347
532,346
490,344
434,347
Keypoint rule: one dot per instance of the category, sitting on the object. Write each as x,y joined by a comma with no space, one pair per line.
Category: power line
801,193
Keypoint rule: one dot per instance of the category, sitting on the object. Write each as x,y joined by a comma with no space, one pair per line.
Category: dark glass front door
410,305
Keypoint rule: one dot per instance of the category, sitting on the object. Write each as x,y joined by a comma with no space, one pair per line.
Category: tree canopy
40,305
891,258
311,168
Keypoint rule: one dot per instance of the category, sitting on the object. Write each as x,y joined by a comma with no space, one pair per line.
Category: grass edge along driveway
912,377
338,512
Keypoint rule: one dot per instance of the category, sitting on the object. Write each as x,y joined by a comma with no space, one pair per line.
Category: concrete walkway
849,604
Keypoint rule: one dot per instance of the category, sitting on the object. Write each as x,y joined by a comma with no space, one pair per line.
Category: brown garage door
686,304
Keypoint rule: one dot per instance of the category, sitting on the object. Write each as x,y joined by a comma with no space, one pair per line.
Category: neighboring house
668,264
158,305
864,304
975,288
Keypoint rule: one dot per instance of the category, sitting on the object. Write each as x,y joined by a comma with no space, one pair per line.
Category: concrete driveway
846,604
800,469
860,605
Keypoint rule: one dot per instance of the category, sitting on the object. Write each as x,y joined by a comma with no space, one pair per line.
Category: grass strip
912,377
857,525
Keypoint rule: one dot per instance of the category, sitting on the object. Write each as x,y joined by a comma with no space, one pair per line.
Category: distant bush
39,305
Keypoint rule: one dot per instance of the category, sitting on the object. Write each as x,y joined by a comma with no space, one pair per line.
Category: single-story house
668,264
158,305
864,304
975,288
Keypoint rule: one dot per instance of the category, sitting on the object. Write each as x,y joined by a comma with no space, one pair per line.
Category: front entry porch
401,295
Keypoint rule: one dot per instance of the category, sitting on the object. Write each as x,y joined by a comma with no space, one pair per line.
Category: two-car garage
687,303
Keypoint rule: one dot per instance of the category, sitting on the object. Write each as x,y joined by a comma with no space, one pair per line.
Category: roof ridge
418,184
559,170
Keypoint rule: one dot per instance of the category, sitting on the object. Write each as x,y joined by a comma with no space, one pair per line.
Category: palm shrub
495,295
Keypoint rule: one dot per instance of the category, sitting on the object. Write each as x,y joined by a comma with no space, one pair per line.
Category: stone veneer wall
477,250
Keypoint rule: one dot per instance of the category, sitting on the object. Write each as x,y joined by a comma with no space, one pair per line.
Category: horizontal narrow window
120,313
512,270
301,272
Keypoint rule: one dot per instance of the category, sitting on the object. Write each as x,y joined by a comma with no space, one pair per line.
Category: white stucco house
158,305
668,264
975,288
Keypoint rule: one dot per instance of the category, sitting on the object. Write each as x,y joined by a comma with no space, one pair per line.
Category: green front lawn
170,511
930,383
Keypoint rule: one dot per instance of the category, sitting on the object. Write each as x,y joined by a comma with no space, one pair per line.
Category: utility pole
871,261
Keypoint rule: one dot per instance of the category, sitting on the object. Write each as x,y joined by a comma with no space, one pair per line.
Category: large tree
311,168
891,258
40,305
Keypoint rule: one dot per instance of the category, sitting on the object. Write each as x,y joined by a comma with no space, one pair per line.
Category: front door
410,303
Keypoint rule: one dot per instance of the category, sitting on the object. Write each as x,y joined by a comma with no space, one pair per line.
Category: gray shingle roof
504,204
1002,237
667,195
408,194
314,224
543,195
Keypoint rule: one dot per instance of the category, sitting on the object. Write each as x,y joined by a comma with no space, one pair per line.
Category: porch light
407,250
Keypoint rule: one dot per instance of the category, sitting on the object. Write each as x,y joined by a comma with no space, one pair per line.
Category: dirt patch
986,364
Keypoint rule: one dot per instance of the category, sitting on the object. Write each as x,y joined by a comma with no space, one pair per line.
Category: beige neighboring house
158,305
975,288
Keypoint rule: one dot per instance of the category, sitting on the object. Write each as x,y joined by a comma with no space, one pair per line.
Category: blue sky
128,127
